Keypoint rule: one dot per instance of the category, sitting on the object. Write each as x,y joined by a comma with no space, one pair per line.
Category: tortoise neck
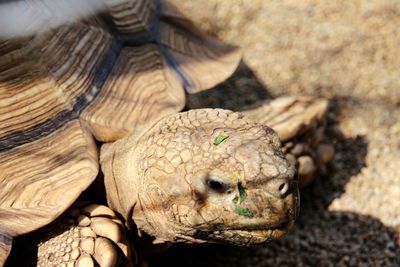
119,164
129,185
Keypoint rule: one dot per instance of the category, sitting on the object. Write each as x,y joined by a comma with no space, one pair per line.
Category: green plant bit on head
235,199
219,139
243,212
279,153
242,193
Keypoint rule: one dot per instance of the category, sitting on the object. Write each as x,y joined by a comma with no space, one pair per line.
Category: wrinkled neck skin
206,175
124,166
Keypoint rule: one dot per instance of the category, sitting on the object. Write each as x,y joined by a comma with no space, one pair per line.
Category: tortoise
120,77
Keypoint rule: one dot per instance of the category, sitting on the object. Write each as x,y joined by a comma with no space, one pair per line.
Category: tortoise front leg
86,235
5,247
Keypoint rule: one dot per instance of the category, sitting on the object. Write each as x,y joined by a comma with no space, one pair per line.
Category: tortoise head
210,175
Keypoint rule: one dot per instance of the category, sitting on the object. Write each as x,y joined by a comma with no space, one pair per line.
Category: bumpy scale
89,234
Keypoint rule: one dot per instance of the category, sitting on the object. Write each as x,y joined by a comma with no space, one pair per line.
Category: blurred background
349,52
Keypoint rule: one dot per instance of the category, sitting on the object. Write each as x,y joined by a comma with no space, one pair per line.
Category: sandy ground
349,52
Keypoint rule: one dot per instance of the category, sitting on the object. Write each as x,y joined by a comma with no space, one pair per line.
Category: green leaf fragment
245,212
242,193
239,199
235,199
219,139
279,153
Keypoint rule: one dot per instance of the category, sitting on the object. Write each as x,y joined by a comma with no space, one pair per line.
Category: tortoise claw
85,261
105,253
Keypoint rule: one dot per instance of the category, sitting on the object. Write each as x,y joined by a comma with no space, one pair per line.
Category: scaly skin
174,183
84,236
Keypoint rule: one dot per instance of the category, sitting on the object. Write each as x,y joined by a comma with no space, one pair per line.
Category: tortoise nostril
283,188
279,187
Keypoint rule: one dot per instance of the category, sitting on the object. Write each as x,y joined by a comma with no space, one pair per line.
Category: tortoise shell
100,78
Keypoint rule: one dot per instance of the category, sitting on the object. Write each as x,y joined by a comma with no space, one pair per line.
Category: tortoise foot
90,235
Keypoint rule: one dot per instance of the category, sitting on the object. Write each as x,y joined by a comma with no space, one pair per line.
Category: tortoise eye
217,185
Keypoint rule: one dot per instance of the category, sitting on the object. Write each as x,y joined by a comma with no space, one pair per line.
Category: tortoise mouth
247,236
254,228
262,230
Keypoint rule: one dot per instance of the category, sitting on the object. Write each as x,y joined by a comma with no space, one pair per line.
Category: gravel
349,52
